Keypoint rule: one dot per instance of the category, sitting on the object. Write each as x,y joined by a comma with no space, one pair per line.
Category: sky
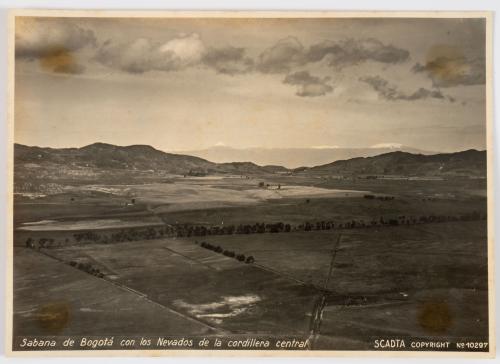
193,83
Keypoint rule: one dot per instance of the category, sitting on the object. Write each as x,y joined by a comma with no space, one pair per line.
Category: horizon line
172,151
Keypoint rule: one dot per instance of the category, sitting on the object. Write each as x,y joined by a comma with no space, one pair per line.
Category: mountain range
143,161
296,157
102,158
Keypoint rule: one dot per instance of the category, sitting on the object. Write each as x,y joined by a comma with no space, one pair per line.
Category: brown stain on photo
60,60
435,317
446,62
53,317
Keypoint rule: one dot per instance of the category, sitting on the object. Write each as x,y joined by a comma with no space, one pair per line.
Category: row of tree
87,267
187,230
381,198
228,253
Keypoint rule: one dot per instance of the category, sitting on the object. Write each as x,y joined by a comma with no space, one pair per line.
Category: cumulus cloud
447,66
186,49
351,52
228,60
281,57
289,52
308,86
143,55
389,92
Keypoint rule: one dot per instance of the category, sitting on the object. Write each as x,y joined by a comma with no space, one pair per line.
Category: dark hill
102,157
469,162
107,156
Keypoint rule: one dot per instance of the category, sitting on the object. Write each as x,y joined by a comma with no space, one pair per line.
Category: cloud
228,60
289,52
281,57
53,43
447,66
308,86
143,55
351,52
391,93
186,49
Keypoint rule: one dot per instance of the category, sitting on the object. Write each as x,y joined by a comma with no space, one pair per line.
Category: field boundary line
143,296
189,258
317,315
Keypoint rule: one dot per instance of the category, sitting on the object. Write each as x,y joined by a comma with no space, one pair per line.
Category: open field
176,195
52,298
89,224
377,286
209,287
423,280
236,200
383,280
415,257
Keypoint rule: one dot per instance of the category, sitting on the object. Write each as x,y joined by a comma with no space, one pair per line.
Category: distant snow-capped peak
388,145
325,147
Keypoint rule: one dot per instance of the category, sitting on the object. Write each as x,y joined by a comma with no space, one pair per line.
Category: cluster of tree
87,267
228,253
41,243
130,234
267,185
196,173
381,198
44,243
105,237
187,230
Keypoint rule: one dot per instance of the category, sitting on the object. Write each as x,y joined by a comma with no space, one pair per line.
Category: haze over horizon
192,84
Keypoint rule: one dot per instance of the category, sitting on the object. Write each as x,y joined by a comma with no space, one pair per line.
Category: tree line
88,268
188,230
228,253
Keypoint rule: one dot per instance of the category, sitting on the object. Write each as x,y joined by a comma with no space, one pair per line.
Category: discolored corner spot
446,63
435,317
53,317
60,60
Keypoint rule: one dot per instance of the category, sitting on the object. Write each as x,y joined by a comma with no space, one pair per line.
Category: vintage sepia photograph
255,182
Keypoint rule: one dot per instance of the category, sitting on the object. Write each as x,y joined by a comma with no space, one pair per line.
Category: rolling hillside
100,160
469,162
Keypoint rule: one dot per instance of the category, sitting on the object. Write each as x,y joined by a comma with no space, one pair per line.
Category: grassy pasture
235,201
384,280
201,284
380,276
297,211
452,187
52,298
376,260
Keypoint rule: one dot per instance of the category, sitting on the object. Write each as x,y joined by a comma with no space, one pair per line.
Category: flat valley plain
360,260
